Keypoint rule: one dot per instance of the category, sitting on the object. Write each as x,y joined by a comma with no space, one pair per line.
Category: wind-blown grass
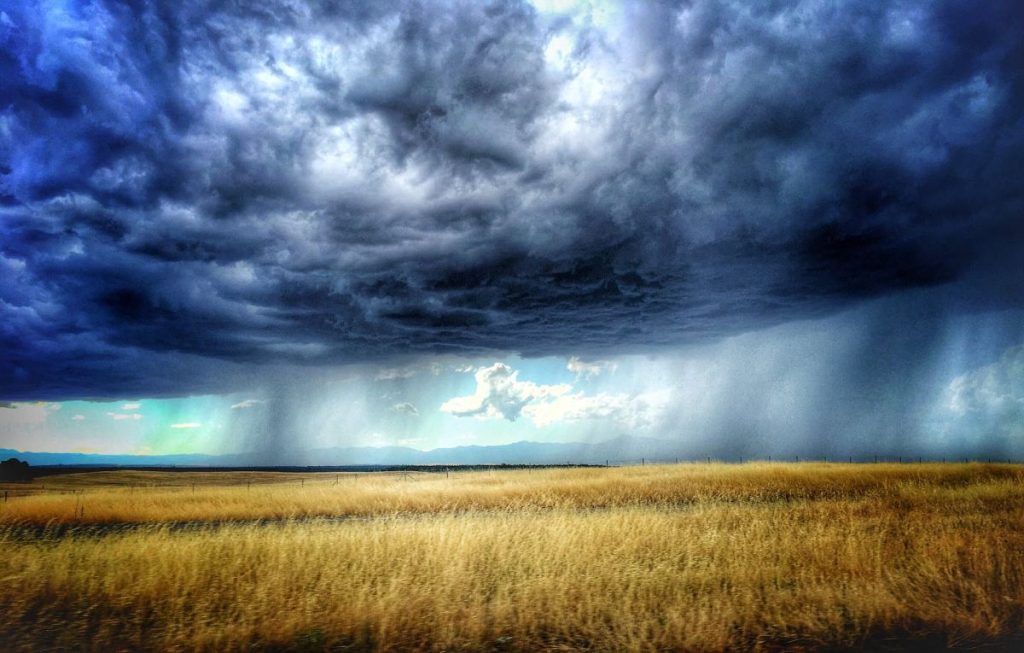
702,558
81,499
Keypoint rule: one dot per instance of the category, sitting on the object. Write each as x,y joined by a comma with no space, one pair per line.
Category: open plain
691,557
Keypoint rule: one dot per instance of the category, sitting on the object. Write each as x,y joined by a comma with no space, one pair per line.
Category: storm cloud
189,190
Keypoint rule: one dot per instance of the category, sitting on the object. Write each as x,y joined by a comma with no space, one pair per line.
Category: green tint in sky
141,426
780,390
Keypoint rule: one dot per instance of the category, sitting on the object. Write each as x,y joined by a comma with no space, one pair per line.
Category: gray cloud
406,408
191,190
990,399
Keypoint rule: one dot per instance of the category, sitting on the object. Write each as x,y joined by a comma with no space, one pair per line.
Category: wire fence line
319,477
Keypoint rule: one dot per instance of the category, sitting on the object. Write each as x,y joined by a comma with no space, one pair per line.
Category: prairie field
689,557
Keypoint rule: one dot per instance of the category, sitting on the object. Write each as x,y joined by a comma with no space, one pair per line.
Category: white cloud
636,412
500,393
78,418
993,394
246,403
123,416
405,407
186,425
593,368
131,406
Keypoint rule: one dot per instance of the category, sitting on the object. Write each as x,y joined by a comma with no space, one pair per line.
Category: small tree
15,470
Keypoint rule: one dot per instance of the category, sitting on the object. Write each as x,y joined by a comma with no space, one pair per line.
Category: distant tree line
15,470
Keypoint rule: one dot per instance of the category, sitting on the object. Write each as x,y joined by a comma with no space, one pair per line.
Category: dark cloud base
189,190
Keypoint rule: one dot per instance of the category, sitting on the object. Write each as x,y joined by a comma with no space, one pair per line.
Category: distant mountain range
615,451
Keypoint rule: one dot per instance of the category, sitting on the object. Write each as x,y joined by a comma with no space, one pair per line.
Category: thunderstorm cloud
189,191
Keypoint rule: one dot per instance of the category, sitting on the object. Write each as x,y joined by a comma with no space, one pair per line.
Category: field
685,557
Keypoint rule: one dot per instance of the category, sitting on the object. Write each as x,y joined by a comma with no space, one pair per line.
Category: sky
790,228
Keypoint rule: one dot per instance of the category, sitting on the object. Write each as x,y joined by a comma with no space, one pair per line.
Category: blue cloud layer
191,189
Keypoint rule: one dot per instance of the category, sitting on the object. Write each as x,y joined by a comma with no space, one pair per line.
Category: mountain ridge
620,449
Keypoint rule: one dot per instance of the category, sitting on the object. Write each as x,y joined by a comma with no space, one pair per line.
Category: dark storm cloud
189,189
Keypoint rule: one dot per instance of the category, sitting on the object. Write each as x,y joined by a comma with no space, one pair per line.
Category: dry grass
139,480
702,558
158,497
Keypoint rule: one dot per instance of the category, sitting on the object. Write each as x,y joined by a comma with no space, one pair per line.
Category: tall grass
205,497
677,558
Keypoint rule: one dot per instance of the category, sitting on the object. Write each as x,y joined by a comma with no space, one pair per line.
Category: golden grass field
659,558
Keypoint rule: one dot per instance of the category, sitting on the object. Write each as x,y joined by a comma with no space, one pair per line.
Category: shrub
15,470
